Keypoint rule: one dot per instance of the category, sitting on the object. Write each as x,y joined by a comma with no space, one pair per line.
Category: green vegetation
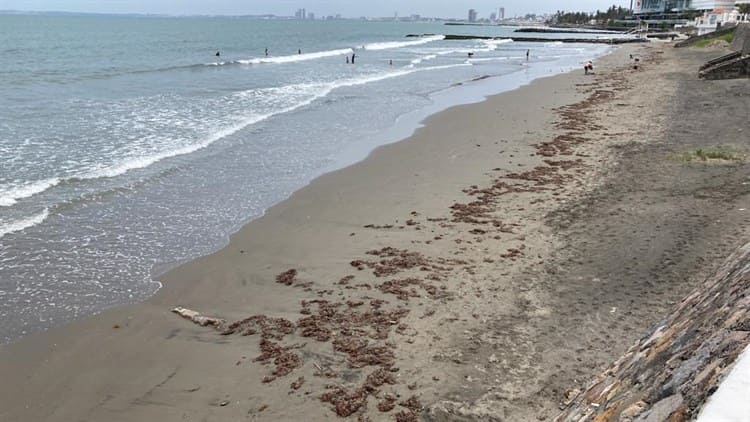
705,43
583,18
744,8
710,153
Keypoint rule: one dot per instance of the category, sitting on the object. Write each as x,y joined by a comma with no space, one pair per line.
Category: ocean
127,146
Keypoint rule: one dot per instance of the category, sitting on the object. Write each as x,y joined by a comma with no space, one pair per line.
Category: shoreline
148,283
140,362
404,128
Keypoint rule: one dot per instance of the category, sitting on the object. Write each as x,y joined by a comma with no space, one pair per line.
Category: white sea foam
143,162
425,58
9,195
495,59
316,91
401,44
22,224
493,44
297,57
309,93
486,47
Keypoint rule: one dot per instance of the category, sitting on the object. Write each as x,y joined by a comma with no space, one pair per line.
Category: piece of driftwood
197,318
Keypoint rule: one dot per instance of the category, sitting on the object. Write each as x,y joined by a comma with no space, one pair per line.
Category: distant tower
501,13
304,14
472,15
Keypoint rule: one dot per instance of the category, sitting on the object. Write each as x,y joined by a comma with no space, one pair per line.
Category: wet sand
479,270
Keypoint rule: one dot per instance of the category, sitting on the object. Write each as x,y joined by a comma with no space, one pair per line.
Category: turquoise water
128,146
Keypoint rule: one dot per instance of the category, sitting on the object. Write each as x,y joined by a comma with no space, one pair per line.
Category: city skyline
321,8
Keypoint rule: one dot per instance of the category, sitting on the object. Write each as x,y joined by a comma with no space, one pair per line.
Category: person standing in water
354,55
347,59
266,51
527,54
299,51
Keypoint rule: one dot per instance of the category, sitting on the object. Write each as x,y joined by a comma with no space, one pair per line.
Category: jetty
543,39
545,30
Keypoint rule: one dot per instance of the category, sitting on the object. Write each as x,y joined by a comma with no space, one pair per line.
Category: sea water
127,145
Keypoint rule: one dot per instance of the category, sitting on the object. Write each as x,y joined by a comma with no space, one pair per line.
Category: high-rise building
311,16
493,17
472,15
501,13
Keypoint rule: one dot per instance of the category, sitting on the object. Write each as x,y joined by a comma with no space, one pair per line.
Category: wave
496,59
485,47
400,44
25,223
295,57
421,59
143,162
257,60
10,195
315,91
310,91
493,44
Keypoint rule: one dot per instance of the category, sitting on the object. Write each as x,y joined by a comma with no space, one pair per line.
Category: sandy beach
481,269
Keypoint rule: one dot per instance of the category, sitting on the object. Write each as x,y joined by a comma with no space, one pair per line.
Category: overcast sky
347,8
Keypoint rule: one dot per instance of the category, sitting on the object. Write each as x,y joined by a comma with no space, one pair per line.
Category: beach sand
481,269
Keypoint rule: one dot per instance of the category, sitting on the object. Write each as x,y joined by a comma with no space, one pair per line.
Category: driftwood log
197,318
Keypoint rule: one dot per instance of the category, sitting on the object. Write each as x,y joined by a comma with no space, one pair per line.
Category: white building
642,7
712,4
710,20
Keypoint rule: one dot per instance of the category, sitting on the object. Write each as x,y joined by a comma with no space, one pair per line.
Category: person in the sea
470,54
266,52
390,62
527,54
347,59
588,67
218,54
354,55
299,51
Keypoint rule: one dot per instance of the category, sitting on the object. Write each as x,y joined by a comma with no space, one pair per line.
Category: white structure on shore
649,7
712,20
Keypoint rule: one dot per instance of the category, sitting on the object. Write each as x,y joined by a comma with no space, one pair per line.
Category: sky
347,8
